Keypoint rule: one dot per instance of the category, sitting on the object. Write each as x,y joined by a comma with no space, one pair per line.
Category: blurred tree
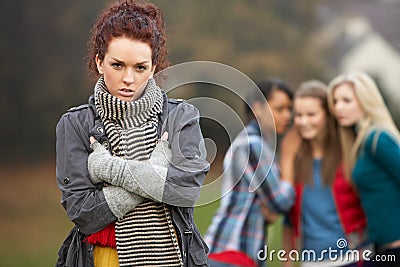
42,71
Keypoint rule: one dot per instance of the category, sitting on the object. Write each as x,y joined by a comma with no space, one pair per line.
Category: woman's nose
288,114
302,121
128,77
338,106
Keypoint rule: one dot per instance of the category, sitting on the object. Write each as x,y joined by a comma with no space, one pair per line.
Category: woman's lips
339,118
125,92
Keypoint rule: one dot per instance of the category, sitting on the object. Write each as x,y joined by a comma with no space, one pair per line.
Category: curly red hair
141,21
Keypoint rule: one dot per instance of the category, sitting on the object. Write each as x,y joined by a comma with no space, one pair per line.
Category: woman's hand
269,215
289,147
162,154
92,140
143,177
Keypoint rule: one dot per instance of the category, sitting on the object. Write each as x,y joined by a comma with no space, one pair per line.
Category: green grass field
33,224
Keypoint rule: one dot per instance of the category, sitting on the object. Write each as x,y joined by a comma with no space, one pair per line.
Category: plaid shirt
250,178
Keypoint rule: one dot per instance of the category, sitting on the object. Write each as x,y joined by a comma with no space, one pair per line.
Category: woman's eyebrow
143,62
116,59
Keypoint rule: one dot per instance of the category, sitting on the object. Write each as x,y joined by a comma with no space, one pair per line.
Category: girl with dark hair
238,229
129,193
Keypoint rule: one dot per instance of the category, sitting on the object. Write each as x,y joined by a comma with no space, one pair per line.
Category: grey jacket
85,202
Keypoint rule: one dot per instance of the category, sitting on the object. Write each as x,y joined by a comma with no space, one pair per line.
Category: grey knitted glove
145,178
162,154
99,152
120,200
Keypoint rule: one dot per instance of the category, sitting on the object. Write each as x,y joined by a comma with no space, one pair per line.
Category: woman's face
281,108
126,67
347,109
309,117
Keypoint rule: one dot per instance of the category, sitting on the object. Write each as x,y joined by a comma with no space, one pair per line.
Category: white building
350,42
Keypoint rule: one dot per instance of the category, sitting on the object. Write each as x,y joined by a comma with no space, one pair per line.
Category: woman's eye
116,65
141,68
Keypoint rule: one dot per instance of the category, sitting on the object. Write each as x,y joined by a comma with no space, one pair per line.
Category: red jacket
347,203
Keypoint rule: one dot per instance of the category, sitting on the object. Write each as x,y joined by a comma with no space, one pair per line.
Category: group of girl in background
345,169
342,158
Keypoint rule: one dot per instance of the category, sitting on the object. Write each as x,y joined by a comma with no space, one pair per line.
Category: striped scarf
145,236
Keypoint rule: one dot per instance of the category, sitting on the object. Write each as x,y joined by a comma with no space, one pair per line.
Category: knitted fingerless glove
145,178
